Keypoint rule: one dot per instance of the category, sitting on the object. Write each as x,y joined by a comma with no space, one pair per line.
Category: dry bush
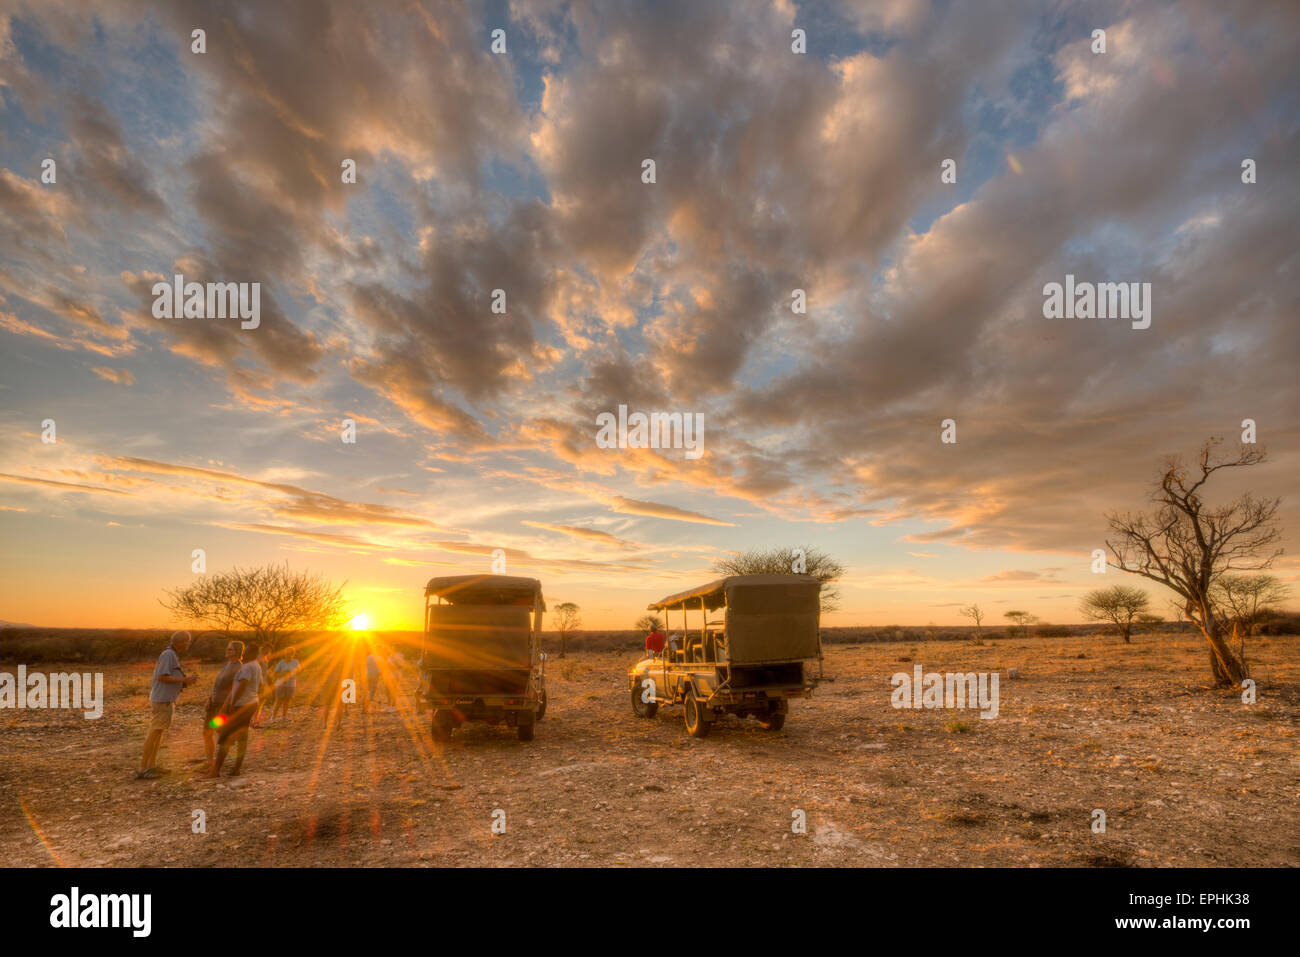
1281,623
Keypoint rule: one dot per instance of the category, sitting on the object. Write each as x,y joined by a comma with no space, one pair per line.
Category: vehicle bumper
484,708
758,695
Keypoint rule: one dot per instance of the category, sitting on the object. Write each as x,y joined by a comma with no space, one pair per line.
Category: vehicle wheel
773,721
442,725
643,708
696,726
541,706
526,731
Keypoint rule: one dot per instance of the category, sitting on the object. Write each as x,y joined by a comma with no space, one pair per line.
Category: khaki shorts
162,715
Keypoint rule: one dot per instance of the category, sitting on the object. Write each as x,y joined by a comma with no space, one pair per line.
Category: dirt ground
1186,775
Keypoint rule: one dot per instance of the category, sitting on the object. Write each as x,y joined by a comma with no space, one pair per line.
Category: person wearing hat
168,682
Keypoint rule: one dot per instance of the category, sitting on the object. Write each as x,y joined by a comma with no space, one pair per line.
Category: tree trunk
1220,676
1228,668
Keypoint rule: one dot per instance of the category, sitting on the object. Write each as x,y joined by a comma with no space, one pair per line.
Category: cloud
102,169
118,376
1021,575
329,538
775,172
60,486
515,556
30,211
588,534
297,502
658,510
1047,411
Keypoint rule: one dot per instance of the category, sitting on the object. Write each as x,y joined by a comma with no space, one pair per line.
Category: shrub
1281,623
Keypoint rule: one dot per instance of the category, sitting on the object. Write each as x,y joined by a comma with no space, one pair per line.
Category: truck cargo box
478,638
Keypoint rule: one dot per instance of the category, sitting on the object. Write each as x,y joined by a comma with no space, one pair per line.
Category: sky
523,171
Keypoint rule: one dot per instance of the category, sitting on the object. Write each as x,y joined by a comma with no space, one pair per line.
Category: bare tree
805,559
1187,545
648,623
1151,623
271,602
1247,598
1178,610
567,620
1021,619
1119,605
976,614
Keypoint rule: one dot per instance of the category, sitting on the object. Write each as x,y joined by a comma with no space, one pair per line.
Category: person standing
392,680
220,691
240,706
264,663
338,669
372,675
168,682
425,679
286,683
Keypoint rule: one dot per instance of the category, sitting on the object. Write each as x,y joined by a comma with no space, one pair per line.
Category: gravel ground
1185,774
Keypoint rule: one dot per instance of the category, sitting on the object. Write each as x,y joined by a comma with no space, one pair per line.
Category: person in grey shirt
286,683
213,718
241,704
168,682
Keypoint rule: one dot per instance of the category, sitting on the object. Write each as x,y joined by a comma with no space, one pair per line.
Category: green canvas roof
715,592
486,590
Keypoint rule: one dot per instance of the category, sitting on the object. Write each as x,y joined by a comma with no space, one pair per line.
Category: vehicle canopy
768,617
482,622
486,590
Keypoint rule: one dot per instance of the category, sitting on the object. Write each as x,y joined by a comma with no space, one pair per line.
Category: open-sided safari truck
747,660
482,652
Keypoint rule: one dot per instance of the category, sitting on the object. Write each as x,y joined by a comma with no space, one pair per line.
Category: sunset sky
522,171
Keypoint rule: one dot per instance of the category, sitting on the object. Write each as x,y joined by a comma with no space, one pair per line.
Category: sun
360,623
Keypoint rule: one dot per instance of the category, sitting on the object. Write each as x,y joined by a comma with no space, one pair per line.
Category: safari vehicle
747,660
482,652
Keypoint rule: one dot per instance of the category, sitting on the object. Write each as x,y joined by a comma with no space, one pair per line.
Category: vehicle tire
696,725
643,709
541,706
526,731
773,721
442,725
